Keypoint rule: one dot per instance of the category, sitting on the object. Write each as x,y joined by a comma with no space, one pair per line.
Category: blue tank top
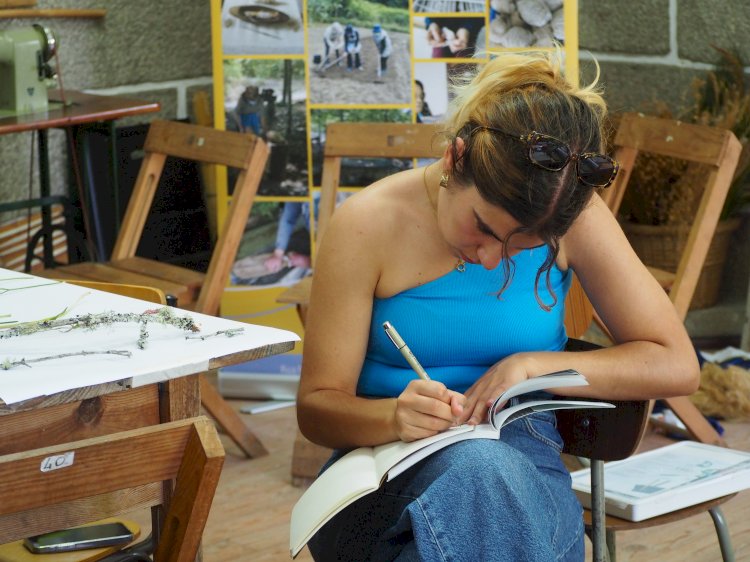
457,326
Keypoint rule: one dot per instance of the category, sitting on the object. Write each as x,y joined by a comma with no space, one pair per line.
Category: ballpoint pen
405,351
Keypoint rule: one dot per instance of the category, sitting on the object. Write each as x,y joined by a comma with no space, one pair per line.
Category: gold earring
444,177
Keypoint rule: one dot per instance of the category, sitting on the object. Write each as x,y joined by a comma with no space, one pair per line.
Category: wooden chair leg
225,416
307,460
230,420
694,420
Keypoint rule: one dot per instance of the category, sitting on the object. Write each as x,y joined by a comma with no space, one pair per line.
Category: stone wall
156,51
649,51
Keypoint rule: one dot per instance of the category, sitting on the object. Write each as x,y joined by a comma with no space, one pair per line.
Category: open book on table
667,479
364,470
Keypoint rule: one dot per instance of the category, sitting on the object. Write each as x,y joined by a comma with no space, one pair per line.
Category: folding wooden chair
192,289
393,140
719,150
361,140
112,475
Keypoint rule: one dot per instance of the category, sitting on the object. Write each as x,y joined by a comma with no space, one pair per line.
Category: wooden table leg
228,419
180,399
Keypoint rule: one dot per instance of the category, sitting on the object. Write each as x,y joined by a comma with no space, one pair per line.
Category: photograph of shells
519,24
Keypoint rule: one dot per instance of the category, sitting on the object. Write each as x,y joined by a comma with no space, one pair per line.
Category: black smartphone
80,538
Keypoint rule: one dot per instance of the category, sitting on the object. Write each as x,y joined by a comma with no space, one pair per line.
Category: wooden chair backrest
245,152
150,294
115,474
370,140
717,148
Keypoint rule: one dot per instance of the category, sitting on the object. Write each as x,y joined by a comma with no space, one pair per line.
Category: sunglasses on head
549,153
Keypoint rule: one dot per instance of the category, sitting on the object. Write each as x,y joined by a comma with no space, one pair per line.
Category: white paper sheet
167,354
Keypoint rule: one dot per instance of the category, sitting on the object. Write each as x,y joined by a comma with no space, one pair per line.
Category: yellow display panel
282,72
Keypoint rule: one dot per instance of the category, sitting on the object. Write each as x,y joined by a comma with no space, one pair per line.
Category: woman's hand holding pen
425,408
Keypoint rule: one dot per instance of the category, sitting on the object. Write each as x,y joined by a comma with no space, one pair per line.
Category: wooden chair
112,475
363,140
368,140
719,150
193,290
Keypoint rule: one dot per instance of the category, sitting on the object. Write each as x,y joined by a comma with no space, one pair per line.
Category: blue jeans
481,499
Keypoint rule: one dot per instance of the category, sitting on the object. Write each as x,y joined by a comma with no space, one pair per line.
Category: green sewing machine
24,69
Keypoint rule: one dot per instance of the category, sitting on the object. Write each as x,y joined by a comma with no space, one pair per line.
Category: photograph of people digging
359,52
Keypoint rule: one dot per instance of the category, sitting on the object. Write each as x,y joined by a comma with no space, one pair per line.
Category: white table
72,398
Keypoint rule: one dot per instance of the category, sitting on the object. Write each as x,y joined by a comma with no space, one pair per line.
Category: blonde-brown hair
519,93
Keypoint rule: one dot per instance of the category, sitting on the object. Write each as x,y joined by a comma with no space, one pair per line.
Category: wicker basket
661,246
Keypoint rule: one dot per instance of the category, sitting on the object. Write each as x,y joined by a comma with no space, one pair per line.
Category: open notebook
365,469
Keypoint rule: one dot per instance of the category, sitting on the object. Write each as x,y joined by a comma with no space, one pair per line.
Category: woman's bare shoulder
595,230
359,240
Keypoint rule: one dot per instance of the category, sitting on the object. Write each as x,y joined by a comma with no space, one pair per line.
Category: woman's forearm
337,419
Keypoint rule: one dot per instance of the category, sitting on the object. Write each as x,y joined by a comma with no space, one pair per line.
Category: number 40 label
57,461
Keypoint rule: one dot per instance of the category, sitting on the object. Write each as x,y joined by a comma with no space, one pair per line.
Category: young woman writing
471,258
